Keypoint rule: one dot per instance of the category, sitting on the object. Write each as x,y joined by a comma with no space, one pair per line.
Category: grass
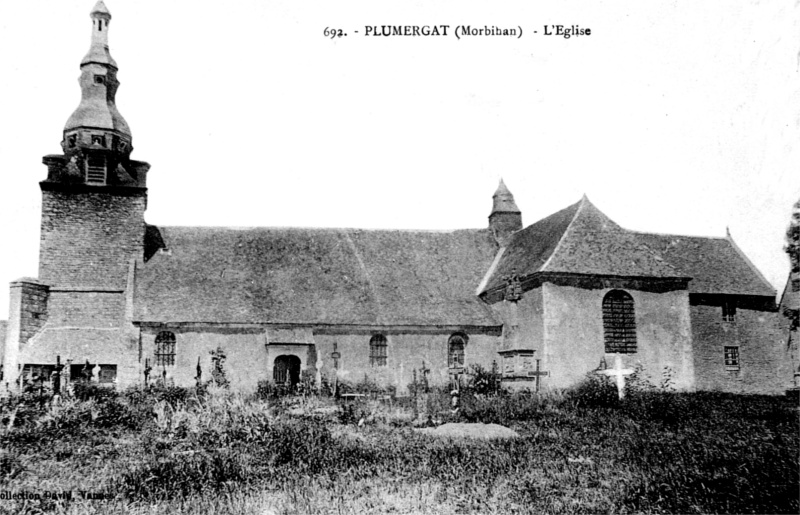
581,451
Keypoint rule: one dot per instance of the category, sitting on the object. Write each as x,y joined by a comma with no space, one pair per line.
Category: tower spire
97,124
98,51
97,141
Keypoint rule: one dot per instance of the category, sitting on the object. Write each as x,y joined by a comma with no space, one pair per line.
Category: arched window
619,322
455,350
165,348
377,351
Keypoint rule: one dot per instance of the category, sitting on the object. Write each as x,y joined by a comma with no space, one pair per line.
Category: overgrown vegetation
207,450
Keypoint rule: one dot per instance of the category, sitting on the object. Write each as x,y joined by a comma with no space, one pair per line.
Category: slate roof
790,300
578,240
582,240
316,276
716,265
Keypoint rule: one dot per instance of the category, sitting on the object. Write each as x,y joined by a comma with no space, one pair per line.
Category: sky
676,116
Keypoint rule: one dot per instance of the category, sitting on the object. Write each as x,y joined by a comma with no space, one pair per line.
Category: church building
543,304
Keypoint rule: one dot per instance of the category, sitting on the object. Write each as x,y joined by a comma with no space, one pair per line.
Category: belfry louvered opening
96,170
619,322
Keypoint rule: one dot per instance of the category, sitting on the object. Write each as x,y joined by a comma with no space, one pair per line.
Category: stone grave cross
538,374
619,373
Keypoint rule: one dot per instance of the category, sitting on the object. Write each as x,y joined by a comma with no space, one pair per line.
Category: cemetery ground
208,451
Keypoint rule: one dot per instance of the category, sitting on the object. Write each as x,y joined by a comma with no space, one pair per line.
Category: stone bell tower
94,197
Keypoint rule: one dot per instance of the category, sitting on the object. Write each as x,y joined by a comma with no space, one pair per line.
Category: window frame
619,323
729,311
378,353
732,358
160,357
457,350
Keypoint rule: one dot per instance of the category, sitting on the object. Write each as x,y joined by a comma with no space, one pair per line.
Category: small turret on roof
100,8
505,218
504,200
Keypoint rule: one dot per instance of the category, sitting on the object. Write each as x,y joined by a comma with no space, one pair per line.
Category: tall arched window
619,322
377,351
455,350
165,348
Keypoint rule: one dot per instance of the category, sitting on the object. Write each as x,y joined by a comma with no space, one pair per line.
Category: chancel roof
316,276
578,240
716,265
582,240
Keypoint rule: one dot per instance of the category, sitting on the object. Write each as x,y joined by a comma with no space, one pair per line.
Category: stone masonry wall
27,313
250,359
33,307
88,238
86,308
245,350
574,336
406,352
761,350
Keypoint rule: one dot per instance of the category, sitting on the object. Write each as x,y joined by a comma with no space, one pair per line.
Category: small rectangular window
732,358
81,372
729,311
108,373
36,373
96,170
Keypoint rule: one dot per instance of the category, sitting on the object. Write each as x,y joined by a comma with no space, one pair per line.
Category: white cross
620,374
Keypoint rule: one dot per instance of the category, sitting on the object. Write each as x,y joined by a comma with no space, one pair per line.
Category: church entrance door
286,370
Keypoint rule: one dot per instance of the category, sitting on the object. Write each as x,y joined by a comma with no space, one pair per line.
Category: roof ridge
581,205
331,229
490,272
672,234
751,265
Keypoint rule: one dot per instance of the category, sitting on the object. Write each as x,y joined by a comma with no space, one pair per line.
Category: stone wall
245,350
88,238
406,352
761,345
250,357
76,345
27,314
99,309
32,298
574,339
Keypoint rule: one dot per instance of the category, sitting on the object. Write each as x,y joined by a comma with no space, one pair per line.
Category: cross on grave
538,373
619,373
425,371
335,356
147,369
57,376
199,377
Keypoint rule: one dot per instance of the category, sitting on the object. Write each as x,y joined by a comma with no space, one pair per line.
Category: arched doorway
286,368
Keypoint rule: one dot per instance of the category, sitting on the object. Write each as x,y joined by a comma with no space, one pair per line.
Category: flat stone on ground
464,430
